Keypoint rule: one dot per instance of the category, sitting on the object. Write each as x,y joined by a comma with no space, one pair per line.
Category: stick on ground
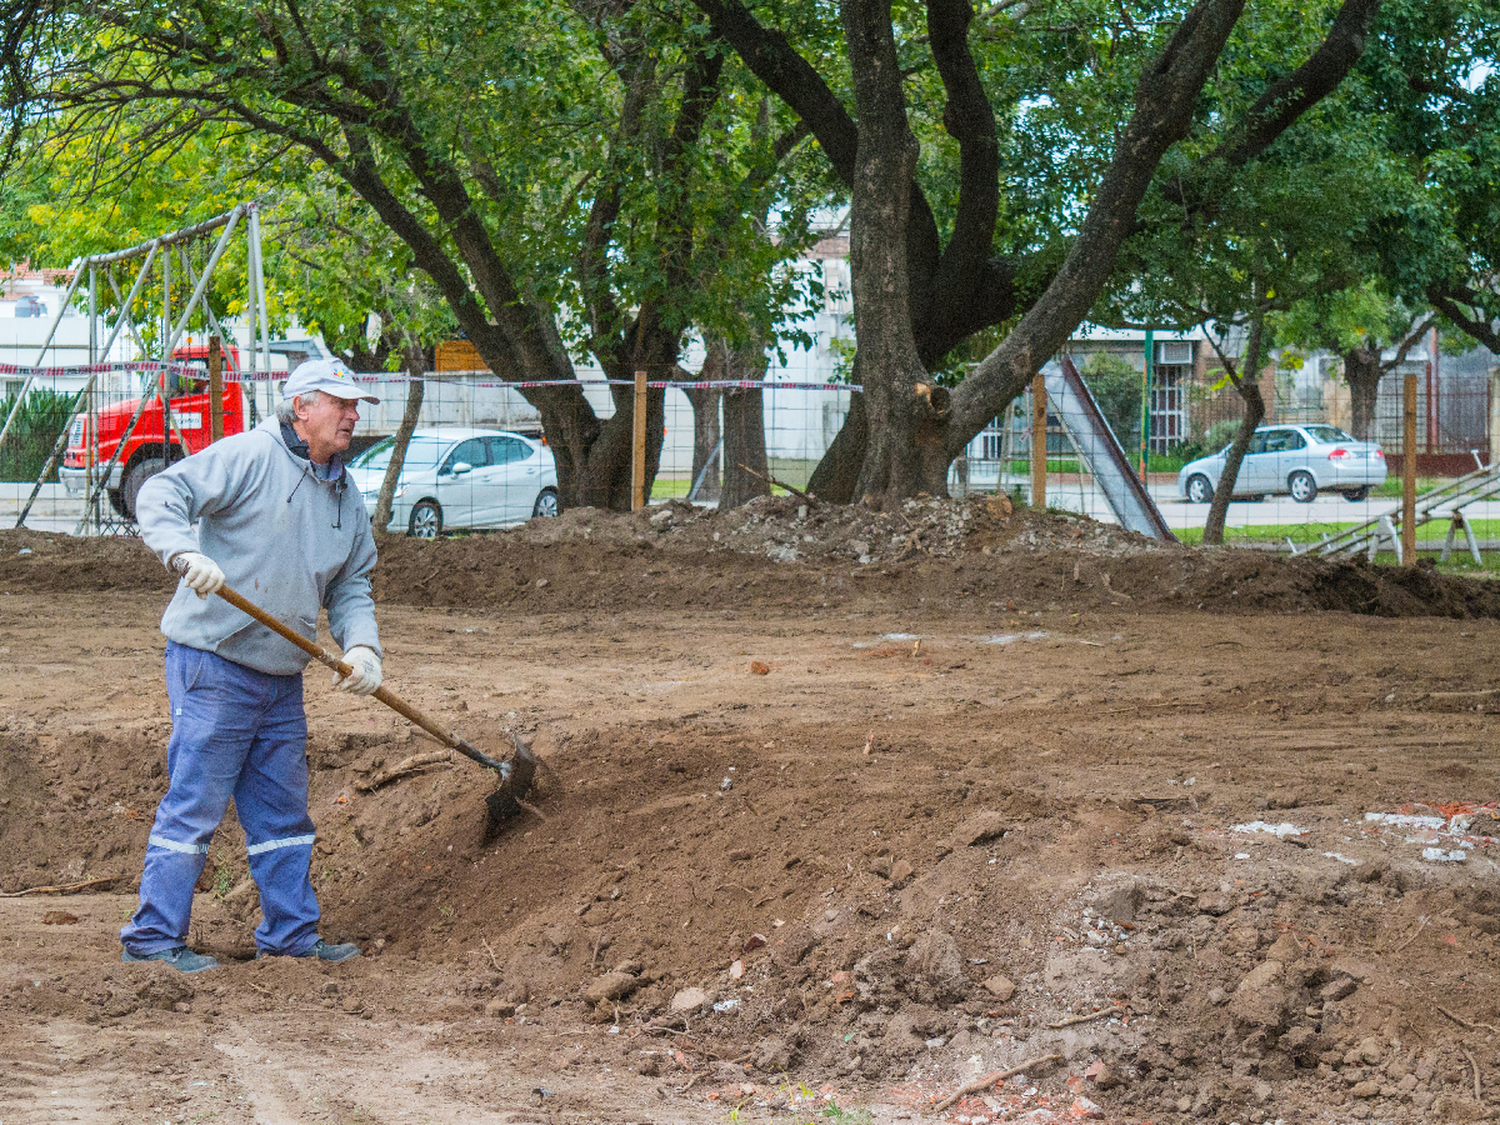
1119,1009
811,499
413,764
981,1084
68,889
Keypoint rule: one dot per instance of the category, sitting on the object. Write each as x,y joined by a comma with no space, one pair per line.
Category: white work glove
200,572
364,677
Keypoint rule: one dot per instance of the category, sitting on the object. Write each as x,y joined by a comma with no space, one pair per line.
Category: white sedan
459,477
1300,460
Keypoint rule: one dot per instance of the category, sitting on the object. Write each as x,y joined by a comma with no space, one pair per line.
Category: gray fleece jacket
285,538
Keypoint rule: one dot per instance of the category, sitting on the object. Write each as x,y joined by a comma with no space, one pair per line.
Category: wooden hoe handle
385,695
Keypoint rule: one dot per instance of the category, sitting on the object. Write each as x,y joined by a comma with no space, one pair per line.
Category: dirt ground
839,813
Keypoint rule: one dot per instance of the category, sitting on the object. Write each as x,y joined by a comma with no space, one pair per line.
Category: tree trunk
706,438
416,364
744,448
744,422
838,472
903,451
1362,372
1255,410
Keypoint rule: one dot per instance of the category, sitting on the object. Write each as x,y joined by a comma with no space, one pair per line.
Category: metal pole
638,446
202,286
1146,401
259,276
91,423
1038,440
1409,470
166,356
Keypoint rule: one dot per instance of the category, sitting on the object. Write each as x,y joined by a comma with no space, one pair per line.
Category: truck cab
148,451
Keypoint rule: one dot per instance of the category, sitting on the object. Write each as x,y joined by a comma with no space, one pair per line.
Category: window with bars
1169,406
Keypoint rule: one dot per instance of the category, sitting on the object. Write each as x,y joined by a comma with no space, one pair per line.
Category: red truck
145,454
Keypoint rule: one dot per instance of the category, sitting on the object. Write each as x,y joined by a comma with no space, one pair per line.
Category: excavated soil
839,813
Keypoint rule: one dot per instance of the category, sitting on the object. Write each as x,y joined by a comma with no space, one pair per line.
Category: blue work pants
236,733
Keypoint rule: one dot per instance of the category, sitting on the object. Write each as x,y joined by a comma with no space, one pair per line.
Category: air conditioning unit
1174,352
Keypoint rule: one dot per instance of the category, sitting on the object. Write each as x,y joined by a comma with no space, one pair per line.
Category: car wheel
1355,495
1303,488
546,503
1199,490
426,520
142,471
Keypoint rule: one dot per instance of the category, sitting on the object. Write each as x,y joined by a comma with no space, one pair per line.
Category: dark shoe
183,959
322,951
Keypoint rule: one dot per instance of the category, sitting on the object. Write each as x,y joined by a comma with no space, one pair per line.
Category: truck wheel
142,471
426,520
116,501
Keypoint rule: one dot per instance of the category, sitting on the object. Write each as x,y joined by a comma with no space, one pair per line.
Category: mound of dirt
940,555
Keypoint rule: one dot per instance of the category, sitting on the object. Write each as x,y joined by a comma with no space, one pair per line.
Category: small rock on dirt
936,968
901,872
690,999
759,668
1002,988
978,829
610,986
59,918
500,1009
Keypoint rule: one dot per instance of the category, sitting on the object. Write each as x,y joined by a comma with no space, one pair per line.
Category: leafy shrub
43,415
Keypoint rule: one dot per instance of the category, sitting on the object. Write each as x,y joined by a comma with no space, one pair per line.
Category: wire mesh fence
479,457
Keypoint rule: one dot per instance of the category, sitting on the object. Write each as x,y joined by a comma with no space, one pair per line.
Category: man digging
276,515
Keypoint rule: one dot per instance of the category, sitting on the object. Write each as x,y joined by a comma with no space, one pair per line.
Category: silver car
1299,460
458,477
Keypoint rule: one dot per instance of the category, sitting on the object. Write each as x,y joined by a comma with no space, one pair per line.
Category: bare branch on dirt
416,763
1119,1009
811,499
1458,1019
63,890
981,1084
1474,1066
1421,922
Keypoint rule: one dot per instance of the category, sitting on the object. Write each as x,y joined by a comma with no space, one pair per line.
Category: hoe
516,774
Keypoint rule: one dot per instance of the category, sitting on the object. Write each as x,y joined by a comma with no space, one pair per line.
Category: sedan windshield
421,453
1328,435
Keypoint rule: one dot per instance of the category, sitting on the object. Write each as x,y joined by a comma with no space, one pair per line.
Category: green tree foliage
1116,387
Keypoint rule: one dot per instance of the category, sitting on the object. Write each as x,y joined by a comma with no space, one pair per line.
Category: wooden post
1409,470
215,389
1038,440
638,446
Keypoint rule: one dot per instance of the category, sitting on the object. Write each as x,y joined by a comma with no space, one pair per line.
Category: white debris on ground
1281,831
1447,834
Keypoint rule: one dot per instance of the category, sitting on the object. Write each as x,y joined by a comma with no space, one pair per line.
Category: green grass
1434,531
1391,489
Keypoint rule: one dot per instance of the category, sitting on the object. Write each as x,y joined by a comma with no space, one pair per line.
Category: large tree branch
1165,99
970,120
1476,320
1288,99
1284,101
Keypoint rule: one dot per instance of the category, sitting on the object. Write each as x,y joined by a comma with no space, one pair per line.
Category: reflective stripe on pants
236,733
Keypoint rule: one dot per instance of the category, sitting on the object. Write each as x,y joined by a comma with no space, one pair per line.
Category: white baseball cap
326,375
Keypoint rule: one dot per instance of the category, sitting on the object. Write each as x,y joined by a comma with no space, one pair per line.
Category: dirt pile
941,555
